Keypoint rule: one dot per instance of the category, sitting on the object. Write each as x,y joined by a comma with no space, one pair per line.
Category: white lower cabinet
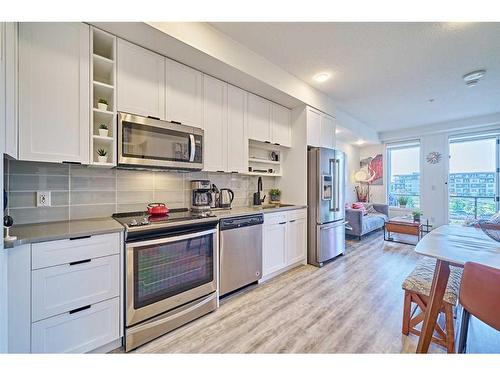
65,296
78,331
284,241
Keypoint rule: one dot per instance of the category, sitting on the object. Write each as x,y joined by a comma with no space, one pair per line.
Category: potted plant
403,201
102,155
102,104
416,215
275,195
103,130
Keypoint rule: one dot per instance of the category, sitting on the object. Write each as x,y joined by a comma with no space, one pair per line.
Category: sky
471,156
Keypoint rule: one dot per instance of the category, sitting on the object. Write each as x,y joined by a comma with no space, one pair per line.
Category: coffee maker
201,198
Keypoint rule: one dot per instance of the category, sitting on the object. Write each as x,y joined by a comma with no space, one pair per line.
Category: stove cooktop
141,219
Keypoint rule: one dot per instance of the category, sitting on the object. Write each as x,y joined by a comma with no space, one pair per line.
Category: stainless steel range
171,272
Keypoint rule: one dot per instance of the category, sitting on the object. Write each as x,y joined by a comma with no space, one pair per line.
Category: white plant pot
102,106
103,132
103,159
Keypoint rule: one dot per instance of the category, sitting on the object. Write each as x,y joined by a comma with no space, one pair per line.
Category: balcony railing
467,207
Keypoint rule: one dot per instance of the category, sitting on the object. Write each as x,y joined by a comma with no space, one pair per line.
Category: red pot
157,209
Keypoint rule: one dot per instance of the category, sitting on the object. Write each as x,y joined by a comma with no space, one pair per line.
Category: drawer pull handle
80,262
80,309
283,222
292,221
79,238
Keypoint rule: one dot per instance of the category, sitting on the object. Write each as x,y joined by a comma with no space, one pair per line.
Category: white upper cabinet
280,126
9,67
215,124
313,127
259,118
140,81
237,139
320,129
327,131
54,100
184,94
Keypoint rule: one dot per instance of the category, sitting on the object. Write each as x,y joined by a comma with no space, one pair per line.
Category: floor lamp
363,189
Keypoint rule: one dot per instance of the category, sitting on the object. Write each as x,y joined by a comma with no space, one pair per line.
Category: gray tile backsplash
79,192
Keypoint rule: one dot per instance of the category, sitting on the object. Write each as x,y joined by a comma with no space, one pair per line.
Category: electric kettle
226,197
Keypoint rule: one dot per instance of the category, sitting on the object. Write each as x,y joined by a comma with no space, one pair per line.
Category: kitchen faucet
257,201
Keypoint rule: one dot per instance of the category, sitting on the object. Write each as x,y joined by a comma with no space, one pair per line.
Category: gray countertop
59,230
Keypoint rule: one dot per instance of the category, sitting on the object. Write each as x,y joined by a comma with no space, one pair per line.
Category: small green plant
103,101
103,126
276,192
416,215
102,152
403,200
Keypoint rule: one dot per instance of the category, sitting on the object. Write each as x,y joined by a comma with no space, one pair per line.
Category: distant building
476,184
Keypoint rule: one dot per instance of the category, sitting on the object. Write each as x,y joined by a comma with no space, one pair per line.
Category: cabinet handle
73,162
292,221
79,238
154,117
80,262
267,142
220,171
176,122
277,144
80,309
284,222
234,172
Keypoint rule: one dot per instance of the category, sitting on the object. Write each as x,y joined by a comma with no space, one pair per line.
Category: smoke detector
471,79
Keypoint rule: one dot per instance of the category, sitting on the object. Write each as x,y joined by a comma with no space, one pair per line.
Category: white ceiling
385,73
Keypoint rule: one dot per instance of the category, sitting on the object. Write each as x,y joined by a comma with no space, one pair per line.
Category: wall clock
433,157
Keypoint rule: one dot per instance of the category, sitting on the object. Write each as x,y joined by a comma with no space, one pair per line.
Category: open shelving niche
103,85
259,157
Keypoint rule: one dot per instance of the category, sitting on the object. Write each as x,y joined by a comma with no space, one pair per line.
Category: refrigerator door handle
335,196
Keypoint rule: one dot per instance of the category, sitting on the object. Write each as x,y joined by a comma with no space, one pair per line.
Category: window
403,164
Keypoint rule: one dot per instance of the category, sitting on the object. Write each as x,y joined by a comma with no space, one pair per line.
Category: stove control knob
145,221
133,223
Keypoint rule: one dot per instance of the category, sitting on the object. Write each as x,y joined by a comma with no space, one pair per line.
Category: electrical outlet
43,198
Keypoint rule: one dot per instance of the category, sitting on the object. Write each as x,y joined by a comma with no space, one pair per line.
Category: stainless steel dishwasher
240,252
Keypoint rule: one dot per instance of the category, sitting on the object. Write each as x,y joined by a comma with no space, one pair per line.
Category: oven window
164,270
148,142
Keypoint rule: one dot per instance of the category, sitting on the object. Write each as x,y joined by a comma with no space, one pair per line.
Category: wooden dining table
451,245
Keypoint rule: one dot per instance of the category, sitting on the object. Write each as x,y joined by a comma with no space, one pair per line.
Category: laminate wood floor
351,305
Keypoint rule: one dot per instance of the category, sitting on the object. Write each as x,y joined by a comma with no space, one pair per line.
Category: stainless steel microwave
145,142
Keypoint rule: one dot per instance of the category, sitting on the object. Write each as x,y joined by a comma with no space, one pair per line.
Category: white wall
352,166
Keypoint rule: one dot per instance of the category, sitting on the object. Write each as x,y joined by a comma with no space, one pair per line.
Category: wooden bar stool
417,288
480,297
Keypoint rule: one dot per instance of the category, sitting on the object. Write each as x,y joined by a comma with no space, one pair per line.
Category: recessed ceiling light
472,78
360,142
321,77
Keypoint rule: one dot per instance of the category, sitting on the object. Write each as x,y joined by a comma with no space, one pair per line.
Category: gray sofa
363,224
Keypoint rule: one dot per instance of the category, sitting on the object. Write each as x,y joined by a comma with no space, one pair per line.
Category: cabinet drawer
52,253
275,218
59,289
297,214
80,332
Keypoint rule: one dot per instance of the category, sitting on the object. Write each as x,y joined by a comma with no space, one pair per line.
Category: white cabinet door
259,118
9,58
140,82
215,124
313,127
327,131
281,127
78,332
274,248
237,138
54,99
297,241
184,94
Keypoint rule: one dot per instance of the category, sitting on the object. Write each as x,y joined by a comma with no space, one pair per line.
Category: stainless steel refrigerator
325,200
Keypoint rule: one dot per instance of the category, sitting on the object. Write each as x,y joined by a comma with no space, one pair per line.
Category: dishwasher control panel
240,222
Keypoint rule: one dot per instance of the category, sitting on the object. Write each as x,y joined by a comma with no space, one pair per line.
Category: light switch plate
43,199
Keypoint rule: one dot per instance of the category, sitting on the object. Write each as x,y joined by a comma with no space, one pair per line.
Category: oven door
168,272
146,142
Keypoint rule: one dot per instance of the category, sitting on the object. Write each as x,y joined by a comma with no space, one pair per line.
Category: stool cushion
420,280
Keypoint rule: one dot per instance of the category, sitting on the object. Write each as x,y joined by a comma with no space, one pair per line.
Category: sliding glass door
473,181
